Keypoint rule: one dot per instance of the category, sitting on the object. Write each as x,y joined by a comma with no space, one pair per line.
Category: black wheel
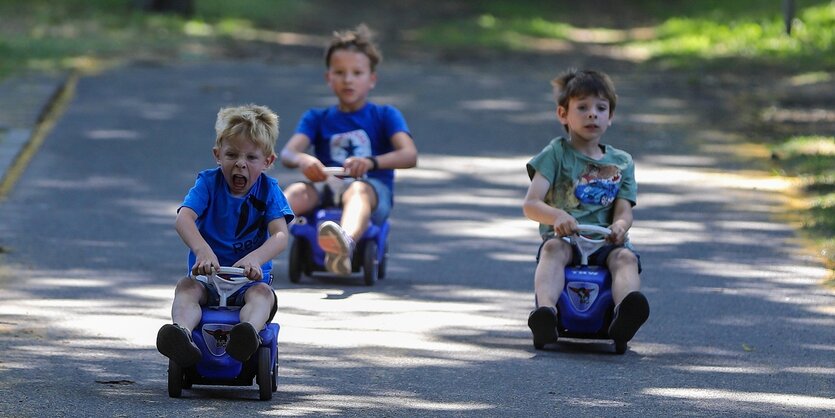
381,268
175,380
295,264
369,263
187,381
263,378
620,347
275,378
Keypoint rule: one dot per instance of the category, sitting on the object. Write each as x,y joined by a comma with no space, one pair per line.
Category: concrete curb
24,104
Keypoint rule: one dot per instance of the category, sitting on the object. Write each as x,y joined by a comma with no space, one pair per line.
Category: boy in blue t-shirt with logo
366,139
234,215
577,180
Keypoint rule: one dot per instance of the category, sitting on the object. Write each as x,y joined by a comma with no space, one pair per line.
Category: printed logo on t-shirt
350,144
598,185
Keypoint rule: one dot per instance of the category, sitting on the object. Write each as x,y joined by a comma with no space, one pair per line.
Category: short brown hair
358,40
574,84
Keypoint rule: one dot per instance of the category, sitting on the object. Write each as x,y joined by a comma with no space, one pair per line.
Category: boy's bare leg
302,197
188,296
258,303
548,283
357,203
243,338
623,264
631,306
174,341
549,278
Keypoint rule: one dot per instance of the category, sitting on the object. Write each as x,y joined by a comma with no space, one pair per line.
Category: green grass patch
679,35
49,35
812,158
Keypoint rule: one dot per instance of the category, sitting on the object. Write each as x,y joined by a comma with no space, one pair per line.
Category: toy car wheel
187,380
265,385
381,268
175,379
620,347
369,263
275,377
295,264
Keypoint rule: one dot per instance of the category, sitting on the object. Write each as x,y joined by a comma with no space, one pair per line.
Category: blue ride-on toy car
585,307
211,335
307,257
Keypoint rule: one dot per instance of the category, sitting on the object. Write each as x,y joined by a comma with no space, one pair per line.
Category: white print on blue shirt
350,144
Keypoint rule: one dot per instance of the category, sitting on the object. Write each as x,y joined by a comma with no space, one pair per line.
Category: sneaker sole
543,325
174,344
243,342
330,239
632,313
336,264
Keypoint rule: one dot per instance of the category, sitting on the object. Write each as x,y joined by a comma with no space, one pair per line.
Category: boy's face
587,118
350,77
241,162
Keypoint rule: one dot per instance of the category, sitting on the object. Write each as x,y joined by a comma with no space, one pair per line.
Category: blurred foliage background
745,37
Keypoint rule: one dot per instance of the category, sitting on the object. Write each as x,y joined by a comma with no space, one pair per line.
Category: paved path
739,324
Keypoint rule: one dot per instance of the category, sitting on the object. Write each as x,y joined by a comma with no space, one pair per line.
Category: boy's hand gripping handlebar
227,281
586,245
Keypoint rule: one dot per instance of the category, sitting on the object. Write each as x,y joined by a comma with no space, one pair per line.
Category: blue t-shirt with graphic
235,226
337,135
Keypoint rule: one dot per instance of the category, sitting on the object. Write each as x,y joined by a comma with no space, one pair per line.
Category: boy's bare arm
537,210
187,229
271,248
404,154
294,156
621,221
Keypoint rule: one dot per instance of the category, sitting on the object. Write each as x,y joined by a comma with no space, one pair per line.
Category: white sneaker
338,246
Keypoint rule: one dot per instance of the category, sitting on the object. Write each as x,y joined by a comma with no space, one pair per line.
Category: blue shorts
380,212
597,258
237,298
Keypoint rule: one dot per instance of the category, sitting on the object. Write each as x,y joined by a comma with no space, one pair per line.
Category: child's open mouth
238,181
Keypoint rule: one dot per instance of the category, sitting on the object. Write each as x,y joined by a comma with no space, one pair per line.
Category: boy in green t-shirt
578,180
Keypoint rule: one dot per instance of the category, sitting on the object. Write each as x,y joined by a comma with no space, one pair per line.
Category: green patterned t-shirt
582,186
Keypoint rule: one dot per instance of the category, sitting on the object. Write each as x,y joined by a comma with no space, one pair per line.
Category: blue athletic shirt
337,135
235,226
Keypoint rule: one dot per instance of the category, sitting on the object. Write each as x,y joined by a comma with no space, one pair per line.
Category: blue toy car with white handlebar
211,335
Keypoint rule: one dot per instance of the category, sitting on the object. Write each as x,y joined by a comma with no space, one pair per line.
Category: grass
682,35
47,35
812,158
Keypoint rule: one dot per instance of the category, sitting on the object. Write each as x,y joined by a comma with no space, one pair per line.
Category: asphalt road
739,327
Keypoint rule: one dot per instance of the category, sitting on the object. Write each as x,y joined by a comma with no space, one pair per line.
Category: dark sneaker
243,342
629,315
338,247
175,342
543,325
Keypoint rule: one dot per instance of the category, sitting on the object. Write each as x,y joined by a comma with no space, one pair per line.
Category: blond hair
357,40
256,123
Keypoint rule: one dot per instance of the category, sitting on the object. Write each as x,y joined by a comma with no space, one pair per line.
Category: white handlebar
586,245
594,229
335,171
226,286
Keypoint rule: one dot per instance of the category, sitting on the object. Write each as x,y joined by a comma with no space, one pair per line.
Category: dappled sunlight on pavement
723,399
